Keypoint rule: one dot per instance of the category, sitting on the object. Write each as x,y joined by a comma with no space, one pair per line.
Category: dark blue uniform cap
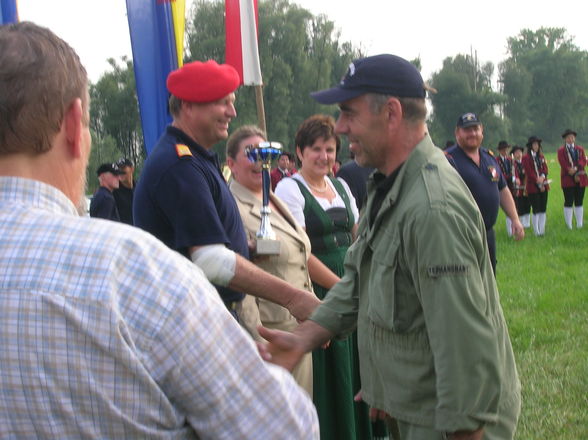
384,74
109,168
467,120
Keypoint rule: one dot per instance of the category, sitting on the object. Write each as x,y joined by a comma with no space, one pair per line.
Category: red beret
203,82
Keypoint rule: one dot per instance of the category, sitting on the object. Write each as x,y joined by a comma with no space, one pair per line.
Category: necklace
316,188
319,190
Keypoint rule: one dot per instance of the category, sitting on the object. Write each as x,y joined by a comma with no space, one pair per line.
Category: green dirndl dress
335,369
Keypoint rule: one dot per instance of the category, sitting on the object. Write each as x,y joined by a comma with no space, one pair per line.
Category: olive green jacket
433,343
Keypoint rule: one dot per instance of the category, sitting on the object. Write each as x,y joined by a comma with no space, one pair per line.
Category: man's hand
374,413
518,231
478,434
302,304
286,349
283,348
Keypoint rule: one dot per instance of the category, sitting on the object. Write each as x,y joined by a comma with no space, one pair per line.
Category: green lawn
543,283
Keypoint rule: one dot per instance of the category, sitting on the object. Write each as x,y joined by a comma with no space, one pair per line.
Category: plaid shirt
106,333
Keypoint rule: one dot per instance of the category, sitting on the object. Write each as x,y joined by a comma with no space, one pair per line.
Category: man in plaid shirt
104,331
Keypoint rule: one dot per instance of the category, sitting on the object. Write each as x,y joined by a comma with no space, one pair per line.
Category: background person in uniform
520,192
103,204
325,207
536,183
183,199
281,170
478,169
292,264
505,163
418,284
123,195
336,167
106,333
356,178
572,160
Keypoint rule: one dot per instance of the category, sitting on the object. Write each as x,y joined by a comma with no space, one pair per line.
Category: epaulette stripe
183,150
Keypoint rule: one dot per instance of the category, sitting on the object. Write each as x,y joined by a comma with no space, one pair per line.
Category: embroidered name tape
448,269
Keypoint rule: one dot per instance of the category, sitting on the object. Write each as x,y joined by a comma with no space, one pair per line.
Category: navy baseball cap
109,168
124,162
384,74
467,120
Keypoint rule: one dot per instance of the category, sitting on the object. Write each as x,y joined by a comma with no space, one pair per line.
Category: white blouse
290,193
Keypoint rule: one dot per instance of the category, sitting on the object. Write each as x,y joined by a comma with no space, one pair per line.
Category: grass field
543,283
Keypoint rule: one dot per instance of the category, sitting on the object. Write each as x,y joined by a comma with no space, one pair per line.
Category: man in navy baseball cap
418,283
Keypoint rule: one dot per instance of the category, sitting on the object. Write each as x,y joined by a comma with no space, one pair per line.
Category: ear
74,127
298,153
394,110
230,162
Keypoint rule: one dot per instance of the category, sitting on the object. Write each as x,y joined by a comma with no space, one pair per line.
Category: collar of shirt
383,186
18,190
191,143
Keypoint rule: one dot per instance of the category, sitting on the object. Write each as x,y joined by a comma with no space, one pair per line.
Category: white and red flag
241,40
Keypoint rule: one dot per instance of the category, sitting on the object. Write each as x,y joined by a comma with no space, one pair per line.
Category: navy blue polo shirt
182,199
484,181
103,205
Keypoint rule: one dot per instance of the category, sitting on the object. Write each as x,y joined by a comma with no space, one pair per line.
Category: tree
299,53
114,111
104,150
464,86
545,80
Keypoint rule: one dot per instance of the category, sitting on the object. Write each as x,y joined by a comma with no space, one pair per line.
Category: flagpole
260,108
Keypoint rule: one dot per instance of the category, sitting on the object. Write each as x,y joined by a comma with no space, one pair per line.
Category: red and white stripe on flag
241,40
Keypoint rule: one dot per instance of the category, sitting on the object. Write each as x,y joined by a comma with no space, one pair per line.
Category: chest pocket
392,302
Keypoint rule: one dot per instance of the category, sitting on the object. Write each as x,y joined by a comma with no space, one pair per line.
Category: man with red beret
182,197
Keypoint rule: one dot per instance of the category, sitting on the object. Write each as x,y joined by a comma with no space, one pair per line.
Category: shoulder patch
490,152
183,150
447,269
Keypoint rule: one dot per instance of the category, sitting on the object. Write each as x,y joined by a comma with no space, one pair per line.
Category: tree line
542,84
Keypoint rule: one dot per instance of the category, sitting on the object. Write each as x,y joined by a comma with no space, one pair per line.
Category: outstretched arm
286,349
226,268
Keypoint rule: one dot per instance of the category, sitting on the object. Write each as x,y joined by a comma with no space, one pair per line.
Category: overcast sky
431,29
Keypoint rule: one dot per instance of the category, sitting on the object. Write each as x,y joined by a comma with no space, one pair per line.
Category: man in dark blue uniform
356,178
183,199
480,172
103,204
505,163
124,193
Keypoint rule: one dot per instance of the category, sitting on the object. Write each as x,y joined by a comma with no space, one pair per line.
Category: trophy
264,153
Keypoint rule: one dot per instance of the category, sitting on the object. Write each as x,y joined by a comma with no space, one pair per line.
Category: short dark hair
175,105
413,109
314,128
40,76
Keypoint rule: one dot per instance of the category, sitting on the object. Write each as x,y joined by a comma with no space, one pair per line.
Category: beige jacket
290,265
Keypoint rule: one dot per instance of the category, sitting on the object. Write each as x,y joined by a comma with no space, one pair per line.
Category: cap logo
469,116
351,69
350,73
